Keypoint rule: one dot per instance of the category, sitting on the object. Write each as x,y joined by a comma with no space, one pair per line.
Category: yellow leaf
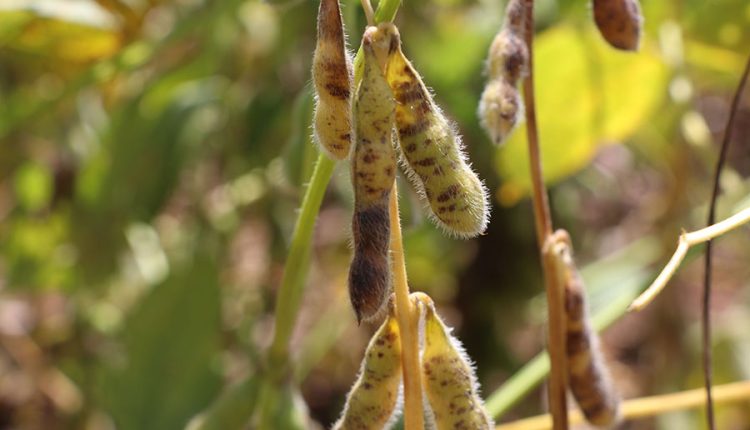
587,94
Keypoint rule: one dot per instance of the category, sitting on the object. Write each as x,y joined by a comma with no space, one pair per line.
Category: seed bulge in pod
449,380
332,78
508,57
619,22
500,109
373,400
373,174
432,154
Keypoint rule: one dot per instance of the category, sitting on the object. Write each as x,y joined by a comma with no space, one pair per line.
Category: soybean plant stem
292,282
686,241
647,406
706,312
543,222
408,318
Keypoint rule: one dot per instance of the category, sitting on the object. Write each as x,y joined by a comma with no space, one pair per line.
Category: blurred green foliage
154,154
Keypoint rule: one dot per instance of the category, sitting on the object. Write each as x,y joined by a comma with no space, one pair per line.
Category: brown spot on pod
449,381
500,107
619,22
373,400
373,173
332,79
588,374
430,144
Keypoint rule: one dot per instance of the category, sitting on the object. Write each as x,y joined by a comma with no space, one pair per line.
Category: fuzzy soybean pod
500,107
449,381
373,400
432,154
588,374
373,174
332,78
619,22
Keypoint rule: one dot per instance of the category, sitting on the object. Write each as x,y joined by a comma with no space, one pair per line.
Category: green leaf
33,186
587,94
164,376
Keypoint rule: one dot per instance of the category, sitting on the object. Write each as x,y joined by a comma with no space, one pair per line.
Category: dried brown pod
373,173
588,375
332,79
619,22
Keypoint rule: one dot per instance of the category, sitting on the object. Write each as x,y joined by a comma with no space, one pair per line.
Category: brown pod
619,22
373,174
332,78
588,374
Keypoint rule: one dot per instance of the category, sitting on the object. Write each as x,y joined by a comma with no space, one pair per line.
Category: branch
706,313
543,222
408,320
647,406
686,241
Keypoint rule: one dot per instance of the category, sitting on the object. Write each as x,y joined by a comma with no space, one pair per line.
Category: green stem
292,283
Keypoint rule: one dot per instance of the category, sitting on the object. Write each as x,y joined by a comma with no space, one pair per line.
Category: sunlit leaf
33,184
56,39
586,95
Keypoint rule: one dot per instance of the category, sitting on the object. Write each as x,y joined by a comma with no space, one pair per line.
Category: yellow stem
648,406
543,222
408,318
686,241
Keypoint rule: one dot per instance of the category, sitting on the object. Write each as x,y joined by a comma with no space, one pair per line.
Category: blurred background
153,157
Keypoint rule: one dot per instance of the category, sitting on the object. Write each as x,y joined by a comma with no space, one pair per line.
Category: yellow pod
332,78
433,156
373,173
373,400
500,109
588,375
449,381
619,22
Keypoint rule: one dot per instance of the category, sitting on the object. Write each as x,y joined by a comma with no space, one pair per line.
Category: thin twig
647,406
406,313
686,241
543,222
706,315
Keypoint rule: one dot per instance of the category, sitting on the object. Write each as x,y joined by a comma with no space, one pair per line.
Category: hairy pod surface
449,381
619,22
432,155
508,57
588,374
373,174
332,78
500,109
373,399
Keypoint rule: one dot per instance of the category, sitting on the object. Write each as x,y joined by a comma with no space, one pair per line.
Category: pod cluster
374,398
588,375
619,22
392,116
450,390
500,107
